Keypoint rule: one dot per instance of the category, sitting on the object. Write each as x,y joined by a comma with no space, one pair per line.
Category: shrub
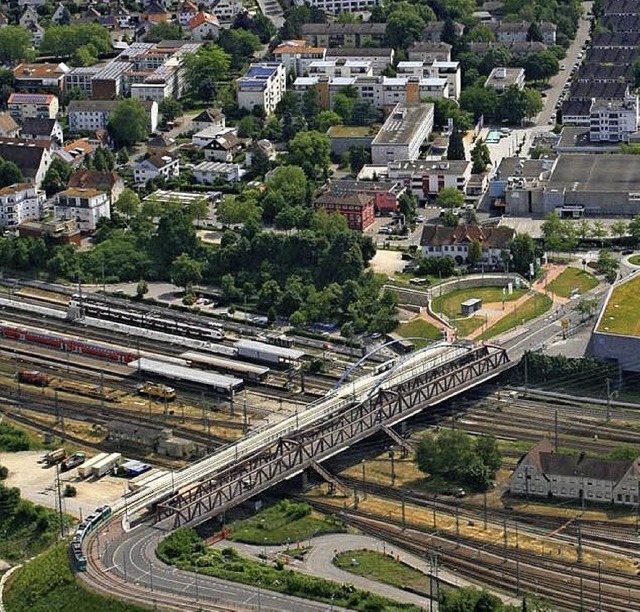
69,491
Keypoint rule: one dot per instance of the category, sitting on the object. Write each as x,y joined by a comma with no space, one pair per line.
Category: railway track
569,586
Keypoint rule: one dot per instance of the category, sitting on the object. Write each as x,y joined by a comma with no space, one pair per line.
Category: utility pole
506,542
485,510
579,540
458,523
244,414
232,412
555,442
608,399
526,373
61,413
59,502
102,389
403,514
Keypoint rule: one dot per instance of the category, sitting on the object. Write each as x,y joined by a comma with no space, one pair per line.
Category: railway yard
71,366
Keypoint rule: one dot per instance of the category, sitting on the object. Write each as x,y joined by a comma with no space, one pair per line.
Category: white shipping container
106,465
86,468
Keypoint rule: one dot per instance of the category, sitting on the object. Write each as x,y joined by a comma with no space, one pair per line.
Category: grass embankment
467,325
419,328
531,309
571,279
621,312
186,550
449,304
286,522
47,584
383,568
634,260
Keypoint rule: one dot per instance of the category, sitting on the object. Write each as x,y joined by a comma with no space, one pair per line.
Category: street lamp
364,479
393,467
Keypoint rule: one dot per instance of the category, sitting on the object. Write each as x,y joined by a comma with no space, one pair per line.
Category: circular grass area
449,303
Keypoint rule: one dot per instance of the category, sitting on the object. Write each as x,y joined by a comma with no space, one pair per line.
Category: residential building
436,69
357,208
32,158
80,77
517,31
155,13
21,202
225,10
23,105
108,182
332,35
8,127
613,121
76,152
428,178
29,17
403,133
223,147
262,85
42,129
379,58
156,167
202,138
209,118
443,241
160,144
334,7
297,55
500,78
208,172
429,52
30,3
340,68
186,11
543,472
92,115
40,77
432,32
204,26
61,232
86,206
385,194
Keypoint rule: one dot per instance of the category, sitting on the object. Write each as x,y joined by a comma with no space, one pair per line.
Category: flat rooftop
403,124
620,314
597,173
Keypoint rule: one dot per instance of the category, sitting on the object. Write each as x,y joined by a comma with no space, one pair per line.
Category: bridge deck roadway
356,390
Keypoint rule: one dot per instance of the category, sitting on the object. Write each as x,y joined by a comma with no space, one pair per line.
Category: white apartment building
613,121
40,106
428,178
85,206
263,85
156,167
21,202
296,55
403,133
340,68
92,115
500,78
225,10
437,69
334,7
207,172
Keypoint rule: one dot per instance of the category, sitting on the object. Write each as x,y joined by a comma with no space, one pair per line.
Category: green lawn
47,584
635,260
283,523
532,308
449,304
382,568
570,279
467,325
419,328
621,312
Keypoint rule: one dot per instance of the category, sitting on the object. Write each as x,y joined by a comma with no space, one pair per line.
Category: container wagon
55,456
33,377
105,465
85,469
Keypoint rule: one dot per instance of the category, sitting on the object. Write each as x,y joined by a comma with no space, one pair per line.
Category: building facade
156,167
263,85
428,178
86,206
356,207
41,106
613,121
92,115
21,202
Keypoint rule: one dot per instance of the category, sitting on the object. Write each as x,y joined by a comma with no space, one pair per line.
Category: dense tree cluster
129,123
455,456
513,105
84,42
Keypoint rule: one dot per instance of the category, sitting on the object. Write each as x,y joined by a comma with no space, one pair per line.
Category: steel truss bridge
359,408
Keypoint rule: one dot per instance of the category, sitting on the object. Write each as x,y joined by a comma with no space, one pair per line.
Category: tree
290,183
608,265
533,33
235,210
450,197
326,119
84,56
311,151
170,108
475,252
204,70
470,599
15,44
523,253
164,31
185,270
311,105
407,205
57,176
619,229
142,288
540,65
129,123
455,150
358,157
600,231
480,157
63,40
10,174
175,235
239,44
480,101
128,203
404,27
634,228
587,307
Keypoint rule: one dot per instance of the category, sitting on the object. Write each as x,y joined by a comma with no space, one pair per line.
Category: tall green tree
205,70
455,150
311,151
164,31
480,156
186,271
9,173
129,123
450,197
128,203
15,44
170,109
57,177
523,253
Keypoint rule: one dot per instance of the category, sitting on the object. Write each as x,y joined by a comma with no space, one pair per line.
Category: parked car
385,230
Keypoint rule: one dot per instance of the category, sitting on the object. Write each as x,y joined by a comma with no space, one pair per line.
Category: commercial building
86,206
154,166
357,208
436,69
455,242
262,85
92,115
427,179
23,105
542,472
501,78
403,133
613,121
572,185
21,202
40,77
208,172
385,194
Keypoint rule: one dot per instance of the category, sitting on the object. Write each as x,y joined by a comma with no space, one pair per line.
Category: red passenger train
62,343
